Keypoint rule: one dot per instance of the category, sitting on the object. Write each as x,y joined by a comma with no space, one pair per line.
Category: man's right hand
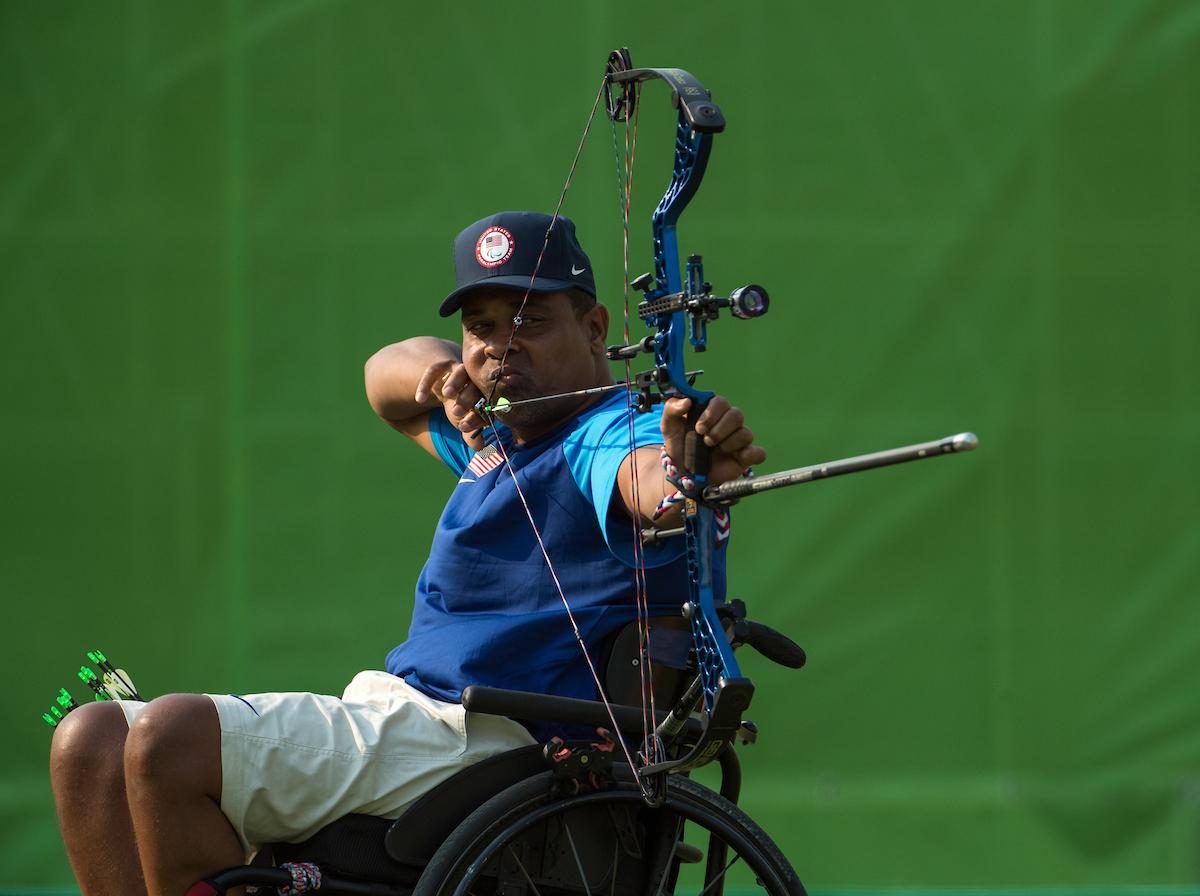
447,382
407,379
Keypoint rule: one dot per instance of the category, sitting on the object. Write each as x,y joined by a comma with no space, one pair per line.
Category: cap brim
454,301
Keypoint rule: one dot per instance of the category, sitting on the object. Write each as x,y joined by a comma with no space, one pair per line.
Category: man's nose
505,339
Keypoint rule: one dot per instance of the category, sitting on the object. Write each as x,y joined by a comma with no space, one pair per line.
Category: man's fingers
457,382
677,408
717,431
732,466
674,424
752,456
464,404
470,423
723,429
735,442
716,408
431,381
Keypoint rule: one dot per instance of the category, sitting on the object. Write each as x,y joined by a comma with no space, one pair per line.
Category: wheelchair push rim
467,862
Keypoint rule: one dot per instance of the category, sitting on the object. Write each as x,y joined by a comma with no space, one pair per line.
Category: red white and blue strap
687,483
305,877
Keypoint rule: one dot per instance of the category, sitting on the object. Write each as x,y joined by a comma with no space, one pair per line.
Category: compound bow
678,309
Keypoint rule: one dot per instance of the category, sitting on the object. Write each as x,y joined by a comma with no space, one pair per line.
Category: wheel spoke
612,889
575,853
666,869
529,880
720,877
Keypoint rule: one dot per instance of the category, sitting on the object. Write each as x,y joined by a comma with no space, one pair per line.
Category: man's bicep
437,437
417,429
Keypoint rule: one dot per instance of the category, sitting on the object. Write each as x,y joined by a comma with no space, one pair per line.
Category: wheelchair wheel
530,839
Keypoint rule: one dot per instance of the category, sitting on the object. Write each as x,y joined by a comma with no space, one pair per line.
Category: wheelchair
555,819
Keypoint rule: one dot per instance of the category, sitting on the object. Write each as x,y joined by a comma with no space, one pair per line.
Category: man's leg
87,771
173,784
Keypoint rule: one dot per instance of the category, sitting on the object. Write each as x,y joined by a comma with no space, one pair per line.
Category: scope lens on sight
749,301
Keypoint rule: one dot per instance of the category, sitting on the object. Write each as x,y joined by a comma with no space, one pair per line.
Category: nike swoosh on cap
576,273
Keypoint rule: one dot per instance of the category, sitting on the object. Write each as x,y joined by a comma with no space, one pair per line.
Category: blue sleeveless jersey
487,609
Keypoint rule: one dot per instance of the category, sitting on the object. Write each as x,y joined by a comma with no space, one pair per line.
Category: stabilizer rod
742,488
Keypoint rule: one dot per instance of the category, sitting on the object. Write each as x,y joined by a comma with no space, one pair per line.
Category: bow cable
651,745
517,319
492,423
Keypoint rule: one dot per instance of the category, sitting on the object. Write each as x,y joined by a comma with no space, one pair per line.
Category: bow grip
697,456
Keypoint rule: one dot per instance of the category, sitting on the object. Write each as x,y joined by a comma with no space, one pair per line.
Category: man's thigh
293,762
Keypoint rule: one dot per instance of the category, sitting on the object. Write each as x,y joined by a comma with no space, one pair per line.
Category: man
153,797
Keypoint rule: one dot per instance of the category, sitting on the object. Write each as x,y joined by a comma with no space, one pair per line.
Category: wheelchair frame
503,826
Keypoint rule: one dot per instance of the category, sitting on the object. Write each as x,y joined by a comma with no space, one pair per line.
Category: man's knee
89,740
175,742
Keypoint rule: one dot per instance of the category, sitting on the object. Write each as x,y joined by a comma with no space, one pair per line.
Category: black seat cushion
363,847
414,837
351,847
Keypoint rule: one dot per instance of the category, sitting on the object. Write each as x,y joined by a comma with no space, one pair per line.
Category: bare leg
87,772
173,784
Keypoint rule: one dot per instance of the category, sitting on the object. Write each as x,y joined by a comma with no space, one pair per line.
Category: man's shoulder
604,434
609,419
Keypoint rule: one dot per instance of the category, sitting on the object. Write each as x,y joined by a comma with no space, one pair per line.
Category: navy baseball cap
502,250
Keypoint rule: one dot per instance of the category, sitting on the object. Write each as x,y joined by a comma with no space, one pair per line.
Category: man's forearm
393,372
642,501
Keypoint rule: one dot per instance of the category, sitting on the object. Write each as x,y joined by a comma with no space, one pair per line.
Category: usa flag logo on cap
495,247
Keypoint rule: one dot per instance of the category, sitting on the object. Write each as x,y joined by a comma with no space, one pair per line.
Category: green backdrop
973,215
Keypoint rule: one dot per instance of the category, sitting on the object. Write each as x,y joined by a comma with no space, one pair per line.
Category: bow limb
678,308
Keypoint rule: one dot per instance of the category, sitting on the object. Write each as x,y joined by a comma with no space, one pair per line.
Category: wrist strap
685,487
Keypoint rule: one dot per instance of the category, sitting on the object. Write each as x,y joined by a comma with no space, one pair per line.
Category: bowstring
571,616
517,318
491,421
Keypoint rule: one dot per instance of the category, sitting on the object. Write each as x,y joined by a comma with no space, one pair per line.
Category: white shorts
292,763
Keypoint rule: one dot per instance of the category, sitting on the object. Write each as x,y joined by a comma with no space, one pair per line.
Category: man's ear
596,320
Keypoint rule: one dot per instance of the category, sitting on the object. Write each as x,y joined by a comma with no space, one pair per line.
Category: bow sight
700,305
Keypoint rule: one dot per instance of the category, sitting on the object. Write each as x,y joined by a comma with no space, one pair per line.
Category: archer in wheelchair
556,536
585,507
564,817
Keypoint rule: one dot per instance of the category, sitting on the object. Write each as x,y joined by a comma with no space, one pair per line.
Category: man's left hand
724,430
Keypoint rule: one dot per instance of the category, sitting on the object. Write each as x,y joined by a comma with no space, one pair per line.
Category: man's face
552,351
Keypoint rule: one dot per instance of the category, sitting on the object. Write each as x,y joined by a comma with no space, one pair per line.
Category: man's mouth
503,374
